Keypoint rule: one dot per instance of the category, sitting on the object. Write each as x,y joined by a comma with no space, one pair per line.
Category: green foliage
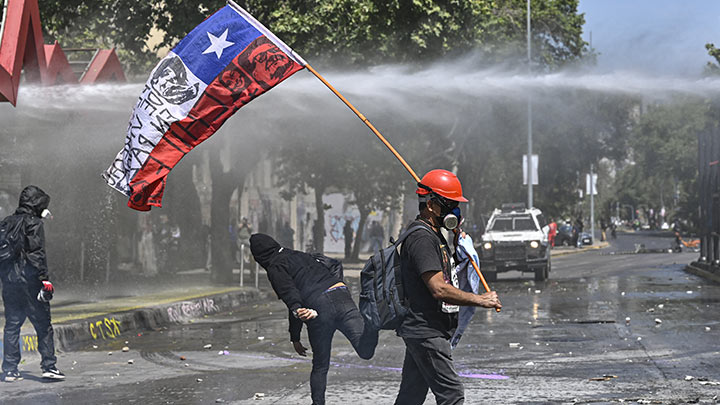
663,169
371,32
123,24
713,68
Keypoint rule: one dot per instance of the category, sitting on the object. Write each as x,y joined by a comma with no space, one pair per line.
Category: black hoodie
296,277
33,201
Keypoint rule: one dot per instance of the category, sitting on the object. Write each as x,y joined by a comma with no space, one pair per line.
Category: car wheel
565,242
541,273
490,275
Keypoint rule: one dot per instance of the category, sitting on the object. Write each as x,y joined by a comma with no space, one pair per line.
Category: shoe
11,376
53,373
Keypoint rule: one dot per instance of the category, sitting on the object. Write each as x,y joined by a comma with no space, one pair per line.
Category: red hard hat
442,183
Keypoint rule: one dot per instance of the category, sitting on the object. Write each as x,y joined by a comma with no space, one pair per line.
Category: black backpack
334,265
382,300
10,240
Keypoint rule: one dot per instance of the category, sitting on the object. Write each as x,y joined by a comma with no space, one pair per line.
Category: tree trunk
222,189
364,213
318,228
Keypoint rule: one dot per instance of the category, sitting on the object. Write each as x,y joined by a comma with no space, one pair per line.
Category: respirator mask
449,212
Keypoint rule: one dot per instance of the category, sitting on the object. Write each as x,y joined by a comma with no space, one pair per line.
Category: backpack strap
407,233
398,276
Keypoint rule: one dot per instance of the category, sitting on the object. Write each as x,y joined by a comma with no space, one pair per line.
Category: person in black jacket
321,300
26,289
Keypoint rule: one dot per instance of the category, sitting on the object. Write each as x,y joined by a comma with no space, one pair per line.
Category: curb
699,270
72,334
601,245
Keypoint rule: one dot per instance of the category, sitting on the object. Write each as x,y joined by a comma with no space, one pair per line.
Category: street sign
593,185
534,173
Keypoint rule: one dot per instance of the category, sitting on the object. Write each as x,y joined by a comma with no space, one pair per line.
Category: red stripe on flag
254,71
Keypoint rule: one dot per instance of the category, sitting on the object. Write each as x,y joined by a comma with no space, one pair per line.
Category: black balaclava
263,248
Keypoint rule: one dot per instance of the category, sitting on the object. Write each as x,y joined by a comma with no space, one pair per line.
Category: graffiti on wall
107,328
191,309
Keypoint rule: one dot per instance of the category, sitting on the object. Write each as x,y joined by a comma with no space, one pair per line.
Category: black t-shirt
424,251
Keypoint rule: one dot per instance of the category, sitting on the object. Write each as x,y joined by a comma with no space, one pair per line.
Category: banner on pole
221,65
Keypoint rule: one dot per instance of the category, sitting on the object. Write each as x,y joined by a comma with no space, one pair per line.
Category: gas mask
449,213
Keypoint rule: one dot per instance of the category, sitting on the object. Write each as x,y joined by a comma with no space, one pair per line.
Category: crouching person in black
321,300
26,289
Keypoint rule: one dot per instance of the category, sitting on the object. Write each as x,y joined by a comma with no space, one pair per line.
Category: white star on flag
218,44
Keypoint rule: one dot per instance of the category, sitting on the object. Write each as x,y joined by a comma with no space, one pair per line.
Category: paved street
561,341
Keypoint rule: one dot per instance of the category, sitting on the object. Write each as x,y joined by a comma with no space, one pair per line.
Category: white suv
516,239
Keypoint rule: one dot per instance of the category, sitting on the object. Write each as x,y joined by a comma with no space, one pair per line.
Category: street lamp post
529,105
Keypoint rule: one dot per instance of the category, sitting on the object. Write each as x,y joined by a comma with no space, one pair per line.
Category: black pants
428,364
20,301
336,311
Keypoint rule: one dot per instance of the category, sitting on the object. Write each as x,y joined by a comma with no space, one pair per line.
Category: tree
664,153
370,32
374,181
713,68
310,160
123,24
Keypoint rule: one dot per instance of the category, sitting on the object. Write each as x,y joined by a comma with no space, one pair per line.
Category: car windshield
513,223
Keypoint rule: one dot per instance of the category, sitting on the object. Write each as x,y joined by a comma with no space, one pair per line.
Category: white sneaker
12,376
53,373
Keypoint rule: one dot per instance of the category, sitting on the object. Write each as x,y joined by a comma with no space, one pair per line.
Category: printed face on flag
223,64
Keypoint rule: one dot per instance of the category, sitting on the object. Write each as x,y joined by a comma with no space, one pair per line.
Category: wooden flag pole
394,152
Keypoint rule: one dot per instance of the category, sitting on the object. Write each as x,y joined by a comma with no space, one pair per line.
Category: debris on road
207,346
109,353
131,361
689,378
514,345
627,319
183,358
658,321
223,353
605,377
199,380
259,395
125,349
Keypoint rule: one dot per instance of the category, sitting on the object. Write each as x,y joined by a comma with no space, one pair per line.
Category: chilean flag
223,64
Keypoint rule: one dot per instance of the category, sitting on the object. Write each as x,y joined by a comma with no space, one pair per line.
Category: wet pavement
604,328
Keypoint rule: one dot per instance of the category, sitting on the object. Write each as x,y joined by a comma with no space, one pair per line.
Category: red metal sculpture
22,48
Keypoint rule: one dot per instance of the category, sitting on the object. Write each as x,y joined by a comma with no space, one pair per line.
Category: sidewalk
82,314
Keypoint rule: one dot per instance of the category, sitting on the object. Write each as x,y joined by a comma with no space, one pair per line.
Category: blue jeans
336,311
20,301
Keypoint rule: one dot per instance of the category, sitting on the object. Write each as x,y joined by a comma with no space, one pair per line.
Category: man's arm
295,327
35,251
445,292
284,286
